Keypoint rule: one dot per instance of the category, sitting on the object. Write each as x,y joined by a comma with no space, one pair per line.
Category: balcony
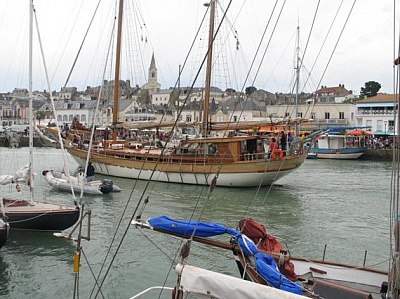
374,112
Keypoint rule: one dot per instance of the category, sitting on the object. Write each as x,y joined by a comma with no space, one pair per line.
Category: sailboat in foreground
28,214
238,161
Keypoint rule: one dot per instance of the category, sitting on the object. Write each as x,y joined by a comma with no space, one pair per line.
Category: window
235,118
313,115
287,114
341,115
379,125
327,115
300,114
188,118
391,125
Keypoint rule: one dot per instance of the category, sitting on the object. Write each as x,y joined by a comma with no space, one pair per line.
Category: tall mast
297,81
208,71
117,69
31,183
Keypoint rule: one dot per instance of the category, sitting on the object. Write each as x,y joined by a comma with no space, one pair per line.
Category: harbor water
339,206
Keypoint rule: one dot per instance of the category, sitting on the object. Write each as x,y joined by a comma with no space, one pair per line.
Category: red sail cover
258,234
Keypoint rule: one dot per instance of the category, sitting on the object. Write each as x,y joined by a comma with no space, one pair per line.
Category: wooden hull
233,174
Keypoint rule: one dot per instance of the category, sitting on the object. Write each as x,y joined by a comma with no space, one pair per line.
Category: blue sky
364,52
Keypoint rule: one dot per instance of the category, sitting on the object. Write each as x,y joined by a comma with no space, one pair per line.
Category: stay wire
82,43
322,46
138,204
337,42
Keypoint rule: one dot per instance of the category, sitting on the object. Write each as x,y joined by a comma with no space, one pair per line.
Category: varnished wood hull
234,174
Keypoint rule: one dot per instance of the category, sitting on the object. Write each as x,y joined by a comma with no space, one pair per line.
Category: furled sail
20,176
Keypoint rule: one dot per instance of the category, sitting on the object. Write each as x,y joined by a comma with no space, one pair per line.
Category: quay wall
378,154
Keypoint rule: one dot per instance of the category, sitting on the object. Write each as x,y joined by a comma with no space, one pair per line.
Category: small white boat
62,182
338,147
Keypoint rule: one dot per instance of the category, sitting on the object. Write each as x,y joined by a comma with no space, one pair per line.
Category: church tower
152,85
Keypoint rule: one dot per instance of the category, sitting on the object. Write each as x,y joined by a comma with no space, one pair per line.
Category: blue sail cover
203,229
265,265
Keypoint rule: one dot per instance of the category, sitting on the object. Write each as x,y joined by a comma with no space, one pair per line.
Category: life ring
273,156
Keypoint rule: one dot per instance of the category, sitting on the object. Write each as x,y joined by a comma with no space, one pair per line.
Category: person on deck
273,145
90,172
283,141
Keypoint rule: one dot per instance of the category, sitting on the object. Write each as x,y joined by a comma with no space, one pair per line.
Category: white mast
297,81
31,183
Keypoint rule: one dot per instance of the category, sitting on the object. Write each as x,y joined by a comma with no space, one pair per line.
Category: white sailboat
29,214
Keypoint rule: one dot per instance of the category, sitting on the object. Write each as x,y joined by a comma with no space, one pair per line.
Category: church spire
153,70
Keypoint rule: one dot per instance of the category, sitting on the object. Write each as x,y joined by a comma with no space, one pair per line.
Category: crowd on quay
379,143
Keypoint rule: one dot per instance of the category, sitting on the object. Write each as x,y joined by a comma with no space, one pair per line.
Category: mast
31,183
208,70
297,81
117,69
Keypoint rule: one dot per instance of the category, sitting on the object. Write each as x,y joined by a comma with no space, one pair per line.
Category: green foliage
250,89
370,89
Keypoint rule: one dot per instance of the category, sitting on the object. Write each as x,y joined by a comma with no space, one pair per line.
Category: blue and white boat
329,146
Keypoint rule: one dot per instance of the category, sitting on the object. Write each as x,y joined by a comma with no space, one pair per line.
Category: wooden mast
117,69
207,90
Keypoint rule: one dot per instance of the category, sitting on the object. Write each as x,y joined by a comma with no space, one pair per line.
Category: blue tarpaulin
265,264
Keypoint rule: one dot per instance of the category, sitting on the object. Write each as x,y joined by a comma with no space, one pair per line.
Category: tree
370,89
250,89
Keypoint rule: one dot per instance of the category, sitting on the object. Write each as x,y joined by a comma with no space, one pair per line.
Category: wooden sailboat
28,214
237,161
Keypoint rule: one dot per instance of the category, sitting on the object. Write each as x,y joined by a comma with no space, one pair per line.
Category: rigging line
92,135
269,41
394,209
308,39
337,42
146,187
252,64
148,182
255,56
90,268
323,43
309,35
49,85
81,46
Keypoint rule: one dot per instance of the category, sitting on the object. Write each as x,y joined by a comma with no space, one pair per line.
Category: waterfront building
379,113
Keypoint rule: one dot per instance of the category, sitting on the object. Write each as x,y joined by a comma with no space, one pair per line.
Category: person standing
273,146
283,141
90,172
